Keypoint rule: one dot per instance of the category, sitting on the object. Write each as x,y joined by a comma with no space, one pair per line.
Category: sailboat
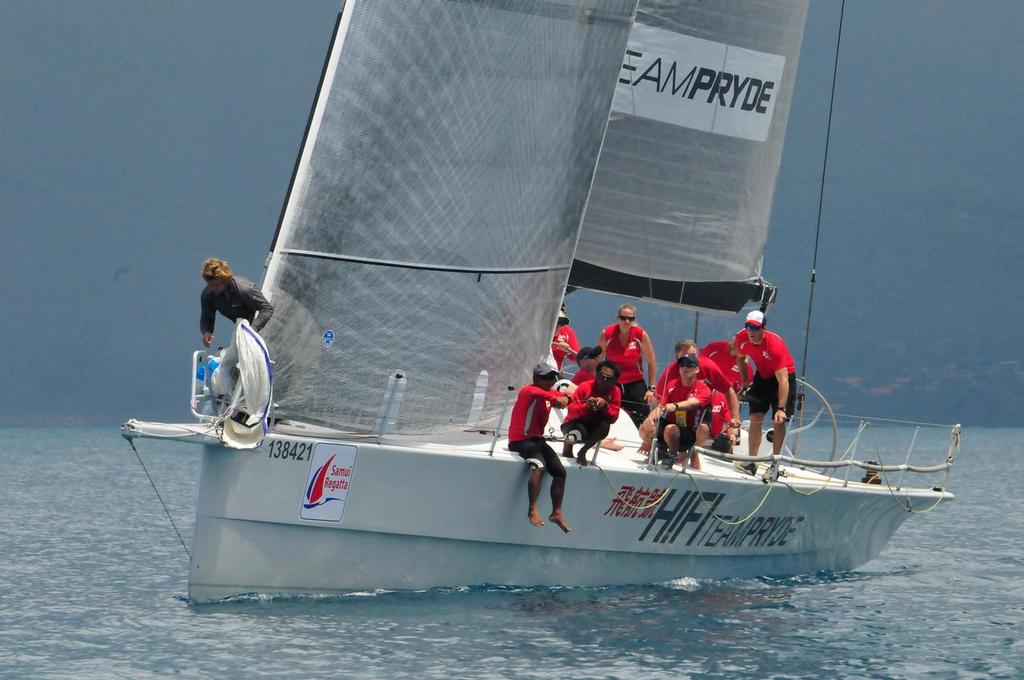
463,165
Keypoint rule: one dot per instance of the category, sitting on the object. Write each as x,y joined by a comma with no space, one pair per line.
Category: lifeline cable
658,500
721,518
132,444
909,506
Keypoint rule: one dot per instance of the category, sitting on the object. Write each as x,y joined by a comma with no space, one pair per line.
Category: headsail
682,196
431,222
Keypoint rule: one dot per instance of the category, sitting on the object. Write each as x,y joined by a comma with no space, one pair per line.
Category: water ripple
92,584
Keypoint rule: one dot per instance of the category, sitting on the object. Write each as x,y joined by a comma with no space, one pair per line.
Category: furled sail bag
245,418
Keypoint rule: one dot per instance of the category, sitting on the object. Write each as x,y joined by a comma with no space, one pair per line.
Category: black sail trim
724,296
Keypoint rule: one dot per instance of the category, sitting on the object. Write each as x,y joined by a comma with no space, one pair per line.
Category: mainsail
682,196
431,222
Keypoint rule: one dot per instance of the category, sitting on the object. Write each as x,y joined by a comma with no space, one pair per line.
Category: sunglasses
626,318
751,327
602,376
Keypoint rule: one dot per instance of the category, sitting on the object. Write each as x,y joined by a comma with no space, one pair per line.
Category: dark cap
544,370
690,360
587,353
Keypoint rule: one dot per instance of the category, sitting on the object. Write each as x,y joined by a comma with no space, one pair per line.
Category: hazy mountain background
141,137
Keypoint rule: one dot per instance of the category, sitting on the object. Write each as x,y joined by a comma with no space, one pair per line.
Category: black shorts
764,392
687,437
633,401
598,425
538,449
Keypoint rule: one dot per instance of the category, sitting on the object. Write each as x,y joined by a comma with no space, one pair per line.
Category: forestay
436,203
683,191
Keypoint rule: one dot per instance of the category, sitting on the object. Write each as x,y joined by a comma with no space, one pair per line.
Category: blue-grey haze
140,137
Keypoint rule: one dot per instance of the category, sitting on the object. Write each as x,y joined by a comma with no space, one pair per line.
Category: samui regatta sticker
328,482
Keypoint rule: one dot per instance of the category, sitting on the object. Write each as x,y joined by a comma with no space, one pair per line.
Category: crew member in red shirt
526,437
774,381
564,344
629,346
592,410
683,406
723,353
587,358
722,434
709,372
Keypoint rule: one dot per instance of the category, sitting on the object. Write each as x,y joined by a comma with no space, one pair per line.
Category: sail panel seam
415,265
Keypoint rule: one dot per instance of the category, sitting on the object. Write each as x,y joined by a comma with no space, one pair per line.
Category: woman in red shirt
629,346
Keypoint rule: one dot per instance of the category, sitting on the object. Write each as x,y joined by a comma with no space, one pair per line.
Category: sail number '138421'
285,449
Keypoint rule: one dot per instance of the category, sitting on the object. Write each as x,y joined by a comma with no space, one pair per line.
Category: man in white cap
564,344
774,382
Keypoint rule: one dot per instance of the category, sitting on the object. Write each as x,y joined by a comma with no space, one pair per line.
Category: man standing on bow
774,381
234,297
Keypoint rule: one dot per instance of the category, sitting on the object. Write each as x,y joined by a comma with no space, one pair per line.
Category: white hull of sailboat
410,518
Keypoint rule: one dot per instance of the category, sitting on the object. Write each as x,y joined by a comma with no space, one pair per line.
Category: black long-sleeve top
241,299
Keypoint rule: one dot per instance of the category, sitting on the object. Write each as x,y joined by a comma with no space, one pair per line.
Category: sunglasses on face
623,317
753,328
602,376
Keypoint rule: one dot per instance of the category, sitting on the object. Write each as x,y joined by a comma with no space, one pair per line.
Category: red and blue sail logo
328,482
315,491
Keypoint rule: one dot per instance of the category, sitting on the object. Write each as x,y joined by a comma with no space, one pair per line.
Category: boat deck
482,443
628,459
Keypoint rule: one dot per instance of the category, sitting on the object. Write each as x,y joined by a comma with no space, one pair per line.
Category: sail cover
430,225
683,191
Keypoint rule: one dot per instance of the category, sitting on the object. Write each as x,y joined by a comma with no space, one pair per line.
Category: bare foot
535,519
559,519
612,444
695,463
582,459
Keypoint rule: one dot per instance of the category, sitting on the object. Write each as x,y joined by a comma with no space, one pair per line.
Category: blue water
93,584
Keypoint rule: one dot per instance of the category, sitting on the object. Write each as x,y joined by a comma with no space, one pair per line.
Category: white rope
947,426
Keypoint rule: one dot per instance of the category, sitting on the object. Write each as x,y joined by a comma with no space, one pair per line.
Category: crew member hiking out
234,297
526,437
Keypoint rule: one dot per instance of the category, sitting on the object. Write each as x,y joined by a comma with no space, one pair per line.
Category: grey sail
431,222
682,196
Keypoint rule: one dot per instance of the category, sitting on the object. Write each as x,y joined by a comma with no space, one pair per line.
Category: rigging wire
168,512
821,192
